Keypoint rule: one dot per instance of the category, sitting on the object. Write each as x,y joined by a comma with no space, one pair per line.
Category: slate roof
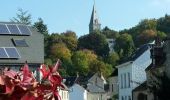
82,80
141,87
33,53
140,51
137,53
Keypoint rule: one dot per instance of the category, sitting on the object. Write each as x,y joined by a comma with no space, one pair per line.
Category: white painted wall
124,91
64,94
77,93
137,74
96,83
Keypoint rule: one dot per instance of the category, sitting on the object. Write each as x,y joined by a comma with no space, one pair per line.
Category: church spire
94,21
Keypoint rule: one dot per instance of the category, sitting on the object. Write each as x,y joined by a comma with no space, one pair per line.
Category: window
122,98
112,87
129,98
20,42
125,80
129,80
125,97
121,80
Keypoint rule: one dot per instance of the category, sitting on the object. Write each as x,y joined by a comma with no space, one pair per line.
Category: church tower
94,21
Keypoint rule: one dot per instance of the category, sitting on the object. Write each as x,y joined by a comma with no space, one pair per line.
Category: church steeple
94,21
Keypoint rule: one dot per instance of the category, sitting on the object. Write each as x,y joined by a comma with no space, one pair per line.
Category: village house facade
20,43
92,87
132,73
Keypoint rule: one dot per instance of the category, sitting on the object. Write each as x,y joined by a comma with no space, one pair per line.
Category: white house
91,87
132,73
77,92
64,93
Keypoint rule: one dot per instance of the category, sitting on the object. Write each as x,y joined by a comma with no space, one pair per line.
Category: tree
146,36
124,45
113,59
96,42
162,35
101,67
110,33
60,51
81,60
164,24
80,63
41,27
70,39
22,17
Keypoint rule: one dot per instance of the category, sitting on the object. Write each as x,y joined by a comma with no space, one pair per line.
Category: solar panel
20,42
13,29
3,53
3,29
24,30
12,52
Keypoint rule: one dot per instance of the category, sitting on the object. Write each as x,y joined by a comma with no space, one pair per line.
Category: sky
63,15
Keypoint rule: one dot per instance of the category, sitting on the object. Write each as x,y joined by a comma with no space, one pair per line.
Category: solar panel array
14,29
9,53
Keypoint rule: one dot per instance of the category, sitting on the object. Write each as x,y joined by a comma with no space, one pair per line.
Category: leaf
45,72
11,74
55,68
27,76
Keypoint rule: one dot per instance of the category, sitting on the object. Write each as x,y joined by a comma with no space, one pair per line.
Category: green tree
60,51
124,45
146,36
110,33
164,24
70,39
22,17
145,29
41,27
113,59
82,59
80,62
100,66
162,35
96,42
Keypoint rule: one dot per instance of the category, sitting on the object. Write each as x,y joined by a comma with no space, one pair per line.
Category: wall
77,93
113,86
124,91
64,94
139,66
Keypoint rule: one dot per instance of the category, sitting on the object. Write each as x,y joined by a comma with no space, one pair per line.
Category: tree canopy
96,42
22,17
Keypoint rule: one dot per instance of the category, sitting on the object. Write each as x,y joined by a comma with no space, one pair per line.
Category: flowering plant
22,85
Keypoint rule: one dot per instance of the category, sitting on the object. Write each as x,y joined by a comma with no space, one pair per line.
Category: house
113,84
132,73
90,87
77,92
20,43
145,90
64,92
